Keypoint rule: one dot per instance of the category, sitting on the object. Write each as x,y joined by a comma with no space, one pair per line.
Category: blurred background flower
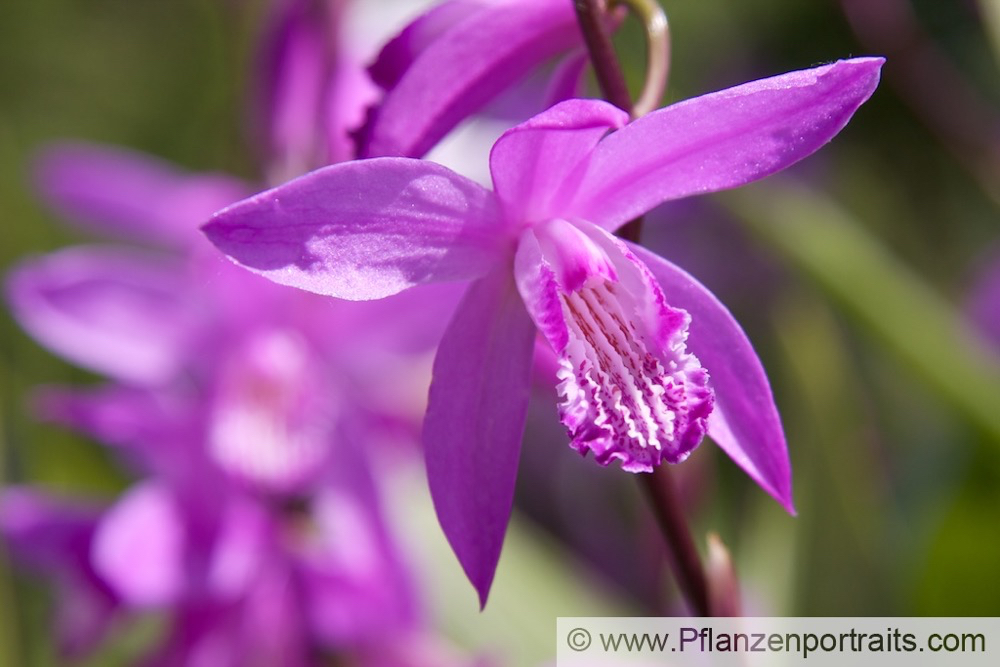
854,277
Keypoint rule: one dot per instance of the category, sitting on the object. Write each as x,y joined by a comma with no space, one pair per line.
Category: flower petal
721,140
46,531
309,95
402,50
533,163
364,229
475,420
745,422
138,546
130,194
53,536
112,311
463,69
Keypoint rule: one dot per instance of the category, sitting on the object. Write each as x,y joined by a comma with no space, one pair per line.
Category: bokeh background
852,273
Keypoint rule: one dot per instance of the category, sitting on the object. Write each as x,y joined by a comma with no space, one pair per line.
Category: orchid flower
650,360
237,579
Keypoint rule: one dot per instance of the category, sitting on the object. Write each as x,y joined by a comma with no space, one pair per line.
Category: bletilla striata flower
650,360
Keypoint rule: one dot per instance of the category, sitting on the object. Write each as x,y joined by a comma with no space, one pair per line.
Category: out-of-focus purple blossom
251,411
245,581
984,302
130,195
454,59
312,91
638,338
53,536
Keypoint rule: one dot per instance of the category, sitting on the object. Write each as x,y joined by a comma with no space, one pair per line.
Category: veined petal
721,140
745,423
365,229
112,311
475,420
630,390
533,164
464,68
130,194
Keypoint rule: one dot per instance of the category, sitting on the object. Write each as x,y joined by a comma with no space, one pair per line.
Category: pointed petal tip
483,591
786,501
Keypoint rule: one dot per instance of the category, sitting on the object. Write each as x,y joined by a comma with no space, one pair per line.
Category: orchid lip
630,390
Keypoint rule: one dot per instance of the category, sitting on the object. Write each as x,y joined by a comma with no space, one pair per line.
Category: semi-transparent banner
777,642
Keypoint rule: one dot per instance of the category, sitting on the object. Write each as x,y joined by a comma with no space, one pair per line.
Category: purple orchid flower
240,580
650,360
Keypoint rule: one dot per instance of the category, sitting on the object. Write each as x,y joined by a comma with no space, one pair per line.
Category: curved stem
684,559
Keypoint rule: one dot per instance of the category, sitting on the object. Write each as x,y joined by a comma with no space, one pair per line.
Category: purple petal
721,140
112,311
355,579
983,304
567,80
745,422
114,414
126,193
365,229
401,51
272,414
475,420
310,94
138,547
54,535
463,69
44,531
534,162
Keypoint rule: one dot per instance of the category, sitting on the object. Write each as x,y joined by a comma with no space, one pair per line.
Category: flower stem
590,14
684,559
659,486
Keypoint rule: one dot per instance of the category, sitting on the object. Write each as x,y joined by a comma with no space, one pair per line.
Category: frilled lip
630,391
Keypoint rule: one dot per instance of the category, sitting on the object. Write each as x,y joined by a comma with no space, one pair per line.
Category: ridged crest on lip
622,400
630,389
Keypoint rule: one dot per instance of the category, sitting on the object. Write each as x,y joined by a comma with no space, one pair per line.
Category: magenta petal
112,311
533,164
127,193
721,140
475,420
745,422
46,531
365,229
466,67
403,49
139,546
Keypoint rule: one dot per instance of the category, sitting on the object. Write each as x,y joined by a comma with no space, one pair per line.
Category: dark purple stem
660,488
684,558
590,14
608,71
